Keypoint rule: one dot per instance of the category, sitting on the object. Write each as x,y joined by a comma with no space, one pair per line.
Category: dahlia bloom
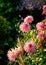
44,10
40,26
24,27
28,19
30,47
40,36
13,53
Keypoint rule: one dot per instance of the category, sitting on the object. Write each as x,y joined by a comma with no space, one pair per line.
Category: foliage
9,28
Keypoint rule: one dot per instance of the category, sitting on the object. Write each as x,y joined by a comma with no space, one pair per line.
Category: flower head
28,19
40,36
30,47
40,26
13,53
24,27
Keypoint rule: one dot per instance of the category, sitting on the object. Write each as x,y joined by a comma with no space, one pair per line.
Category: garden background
12,13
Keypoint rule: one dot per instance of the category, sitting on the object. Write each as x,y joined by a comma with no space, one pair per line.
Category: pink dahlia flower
30,47
40,36
24,27
40,26
44,10
13,53
28,19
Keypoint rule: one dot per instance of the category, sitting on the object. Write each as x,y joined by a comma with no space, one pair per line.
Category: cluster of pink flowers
29,47
25,26
41,26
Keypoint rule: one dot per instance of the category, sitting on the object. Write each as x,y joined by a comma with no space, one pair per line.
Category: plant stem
21,62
